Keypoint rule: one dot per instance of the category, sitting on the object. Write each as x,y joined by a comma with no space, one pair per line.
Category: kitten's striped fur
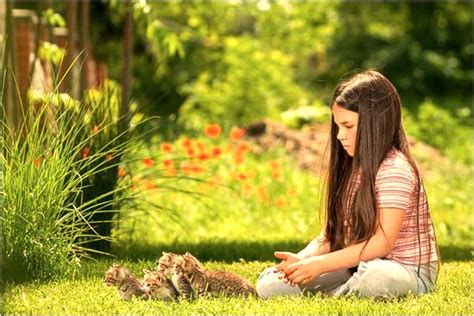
128,285
205,282
158,286
165,262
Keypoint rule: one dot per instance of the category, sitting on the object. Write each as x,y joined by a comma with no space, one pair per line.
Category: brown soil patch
309,146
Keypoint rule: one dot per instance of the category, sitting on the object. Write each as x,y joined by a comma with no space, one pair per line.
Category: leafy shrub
253,82
309,114
442,130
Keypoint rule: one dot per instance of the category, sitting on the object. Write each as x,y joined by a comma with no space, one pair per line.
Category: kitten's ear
191,257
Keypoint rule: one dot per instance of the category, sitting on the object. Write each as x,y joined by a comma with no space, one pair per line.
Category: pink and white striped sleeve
394,185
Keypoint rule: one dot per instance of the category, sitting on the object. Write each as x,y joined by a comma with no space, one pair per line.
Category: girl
378,239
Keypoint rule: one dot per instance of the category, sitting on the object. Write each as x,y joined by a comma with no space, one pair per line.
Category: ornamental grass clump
47,221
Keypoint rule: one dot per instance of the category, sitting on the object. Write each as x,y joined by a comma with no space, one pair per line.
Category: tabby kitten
158,286
210,282
165,262
181,281
128,285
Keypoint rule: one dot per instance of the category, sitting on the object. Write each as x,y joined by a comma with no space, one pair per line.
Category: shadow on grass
226,251
456,253
231,251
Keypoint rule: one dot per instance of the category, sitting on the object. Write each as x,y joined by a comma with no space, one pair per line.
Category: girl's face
346,122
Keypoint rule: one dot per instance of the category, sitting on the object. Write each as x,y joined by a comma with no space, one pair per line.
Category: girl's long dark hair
379,131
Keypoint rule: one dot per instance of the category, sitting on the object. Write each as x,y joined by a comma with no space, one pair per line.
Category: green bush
309,114
254,82
445,131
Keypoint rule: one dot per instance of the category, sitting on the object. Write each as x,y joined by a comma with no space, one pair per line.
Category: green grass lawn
87,294
238,230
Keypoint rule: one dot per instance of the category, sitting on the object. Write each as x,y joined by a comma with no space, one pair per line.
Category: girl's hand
287,259
303,271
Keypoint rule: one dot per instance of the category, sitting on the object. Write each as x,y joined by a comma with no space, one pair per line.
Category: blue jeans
379,278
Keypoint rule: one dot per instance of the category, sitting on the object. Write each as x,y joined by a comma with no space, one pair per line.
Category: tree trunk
71,54
127,65
85,43
10,99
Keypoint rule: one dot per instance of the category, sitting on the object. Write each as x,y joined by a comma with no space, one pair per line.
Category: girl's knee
269,285
264,283
383,278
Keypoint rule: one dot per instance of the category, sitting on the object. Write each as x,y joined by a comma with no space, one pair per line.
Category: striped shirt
395,186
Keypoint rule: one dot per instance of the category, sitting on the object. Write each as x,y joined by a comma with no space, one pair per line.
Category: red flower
291,192
85,151
201,146
166,147
190,152
242,176
213,131
275,165
95,129
148,162
148,184
167,163
185,167
243,147
263,194
238,158
216,152
276,175
121,172
108,157
187,143
197,169
237,133
280,202
188,167
203,157
38,161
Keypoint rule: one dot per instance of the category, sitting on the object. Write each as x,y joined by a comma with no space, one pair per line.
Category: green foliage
253,83
51,52
54,18
439,128
265,190
303,115
415,48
